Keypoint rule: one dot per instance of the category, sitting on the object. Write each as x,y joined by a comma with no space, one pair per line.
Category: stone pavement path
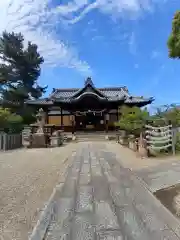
161,176
102,200
157,173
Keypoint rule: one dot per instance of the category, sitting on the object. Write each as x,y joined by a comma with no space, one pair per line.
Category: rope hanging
89,111
159,138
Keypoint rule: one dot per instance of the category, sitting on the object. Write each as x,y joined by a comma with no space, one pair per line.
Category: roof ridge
101,88
67,89
112,88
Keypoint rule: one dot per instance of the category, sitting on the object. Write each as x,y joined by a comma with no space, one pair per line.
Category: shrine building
87,108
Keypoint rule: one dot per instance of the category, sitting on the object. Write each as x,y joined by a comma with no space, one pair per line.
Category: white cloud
78,9
37,21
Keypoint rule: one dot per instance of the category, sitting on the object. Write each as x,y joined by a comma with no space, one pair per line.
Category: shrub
10,122
132,120
177,146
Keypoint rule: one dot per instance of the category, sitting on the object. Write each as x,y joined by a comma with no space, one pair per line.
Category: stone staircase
95,136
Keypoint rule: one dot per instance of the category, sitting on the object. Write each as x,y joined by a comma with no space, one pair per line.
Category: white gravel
27,179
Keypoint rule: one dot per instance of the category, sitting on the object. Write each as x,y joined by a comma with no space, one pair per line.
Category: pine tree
19,69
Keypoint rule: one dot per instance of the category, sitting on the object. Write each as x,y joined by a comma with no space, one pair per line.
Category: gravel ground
27,179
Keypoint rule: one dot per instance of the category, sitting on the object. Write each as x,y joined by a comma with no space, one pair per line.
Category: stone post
72,119
107,121
142,147
38,138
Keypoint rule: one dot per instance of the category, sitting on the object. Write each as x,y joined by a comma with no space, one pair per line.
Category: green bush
15,123
177,146
132,120
4,114
10,122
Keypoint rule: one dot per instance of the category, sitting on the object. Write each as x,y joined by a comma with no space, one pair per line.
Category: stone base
38,141
73,137
26,144
122,141
56,141
133,145
143,152
26,141
106,137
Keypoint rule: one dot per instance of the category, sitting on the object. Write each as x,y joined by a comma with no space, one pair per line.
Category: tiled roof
63,93
74,94
114,92
111,93
43,101
138,100
7,102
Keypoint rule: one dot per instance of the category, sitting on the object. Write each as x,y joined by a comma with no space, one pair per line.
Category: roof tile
43,101
116,92
111,93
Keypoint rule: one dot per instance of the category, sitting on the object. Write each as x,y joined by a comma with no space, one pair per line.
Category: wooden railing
10,141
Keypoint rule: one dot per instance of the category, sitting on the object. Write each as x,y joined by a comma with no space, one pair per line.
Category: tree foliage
19,72
166,114
20,69
174,38
10,122
173,115
132,119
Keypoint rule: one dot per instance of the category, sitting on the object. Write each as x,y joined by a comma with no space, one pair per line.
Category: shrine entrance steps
94,136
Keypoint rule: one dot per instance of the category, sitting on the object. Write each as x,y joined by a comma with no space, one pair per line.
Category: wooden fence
10,141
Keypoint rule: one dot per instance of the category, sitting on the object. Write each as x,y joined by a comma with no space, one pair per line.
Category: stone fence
10,141
136,144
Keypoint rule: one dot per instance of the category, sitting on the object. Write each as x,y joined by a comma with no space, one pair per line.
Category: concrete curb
40,228
171,221
46,215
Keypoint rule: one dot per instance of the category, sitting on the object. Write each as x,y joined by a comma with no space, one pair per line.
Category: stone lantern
38,138
40,121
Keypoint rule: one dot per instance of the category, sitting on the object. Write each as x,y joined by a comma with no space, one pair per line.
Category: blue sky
116,42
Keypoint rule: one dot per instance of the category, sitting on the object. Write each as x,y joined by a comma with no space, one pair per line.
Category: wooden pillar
107,120
61,117
72,118
45,115
73,125
117,113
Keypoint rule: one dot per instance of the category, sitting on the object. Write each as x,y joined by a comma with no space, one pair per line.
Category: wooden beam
61,118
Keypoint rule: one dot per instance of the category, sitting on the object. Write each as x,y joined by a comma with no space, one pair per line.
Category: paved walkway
161,176
100,199
157,173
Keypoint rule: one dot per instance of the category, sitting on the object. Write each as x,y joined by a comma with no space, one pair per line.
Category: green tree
4,114
159,119
174,38
166,114
132,119
10,122
19,70
173,115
